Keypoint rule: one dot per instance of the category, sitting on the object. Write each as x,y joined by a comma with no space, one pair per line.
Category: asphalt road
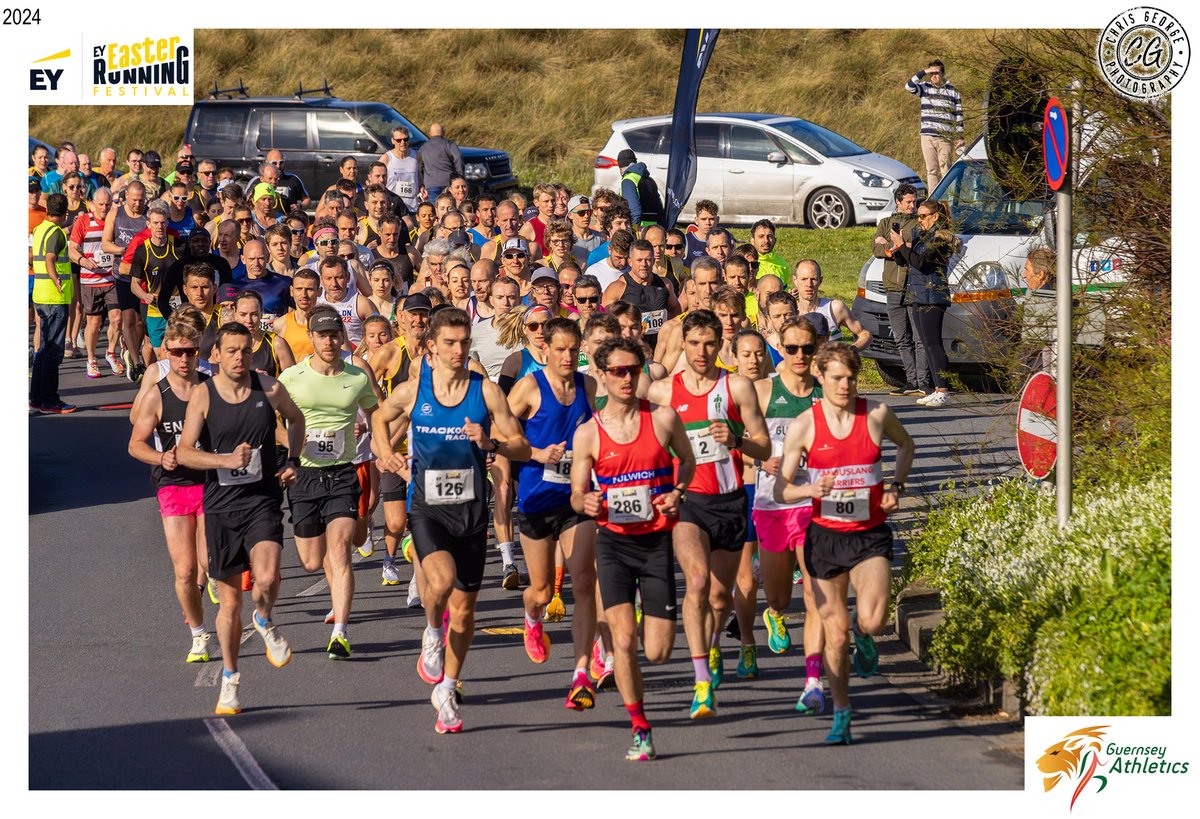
113,705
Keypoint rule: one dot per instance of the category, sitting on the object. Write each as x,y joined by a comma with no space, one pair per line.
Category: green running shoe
812,701
747,668
866,655
339,647
716,667
839,734
213,596
778,638
704,704
642,749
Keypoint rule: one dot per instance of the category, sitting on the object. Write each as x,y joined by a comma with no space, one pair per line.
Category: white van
997,233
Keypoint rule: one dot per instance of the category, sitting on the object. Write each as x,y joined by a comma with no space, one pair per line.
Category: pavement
112,705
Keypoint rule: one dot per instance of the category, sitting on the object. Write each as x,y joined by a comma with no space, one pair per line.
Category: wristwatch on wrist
897,485
293,461
495,444
682,490
737,441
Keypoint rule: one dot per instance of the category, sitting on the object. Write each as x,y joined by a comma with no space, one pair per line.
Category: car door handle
736,170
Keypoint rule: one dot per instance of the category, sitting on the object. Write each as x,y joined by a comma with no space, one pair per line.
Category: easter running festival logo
1077,758
148,68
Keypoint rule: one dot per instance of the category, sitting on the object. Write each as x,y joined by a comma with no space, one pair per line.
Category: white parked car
766,166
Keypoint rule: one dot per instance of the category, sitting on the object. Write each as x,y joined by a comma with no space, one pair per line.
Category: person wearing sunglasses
206,183
514,263
531,356
404,173
586,298
180,490
182,220
627,445
72,186
723,421
779,309
782,526
579,214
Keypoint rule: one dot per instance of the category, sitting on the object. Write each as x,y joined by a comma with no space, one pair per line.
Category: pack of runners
658,407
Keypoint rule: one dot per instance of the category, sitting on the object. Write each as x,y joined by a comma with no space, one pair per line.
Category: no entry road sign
1037,426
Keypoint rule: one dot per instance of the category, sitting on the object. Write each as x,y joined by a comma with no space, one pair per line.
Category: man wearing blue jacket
639,190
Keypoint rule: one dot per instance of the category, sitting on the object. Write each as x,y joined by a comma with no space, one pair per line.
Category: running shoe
812,701
228,702
866,655
797,577
391,577
406,548
596,665
918,391
537,642
367,548
448,721
755,569
34,407
329,619
839,734
69,351
704,704
607,678
213,595
581,696
339,647
130,365
430,663
93,369
935,399
199,652
779,639
58,408
414,597
114,364
642,749
80,341
716,667
747,668
459,696
512,577
279,653
556,610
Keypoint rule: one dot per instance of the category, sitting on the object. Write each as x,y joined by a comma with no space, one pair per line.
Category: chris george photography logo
1085,757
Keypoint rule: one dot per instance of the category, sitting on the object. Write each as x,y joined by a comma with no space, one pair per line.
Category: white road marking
211,672
239,755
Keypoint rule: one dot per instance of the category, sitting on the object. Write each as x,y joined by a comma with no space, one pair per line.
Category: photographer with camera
895,278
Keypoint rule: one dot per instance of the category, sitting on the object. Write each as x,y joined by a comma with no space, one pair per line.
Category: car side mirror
365,146
777,157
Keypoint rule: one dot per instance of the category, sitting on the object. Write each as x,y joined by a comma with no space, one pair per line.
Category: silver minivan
765,166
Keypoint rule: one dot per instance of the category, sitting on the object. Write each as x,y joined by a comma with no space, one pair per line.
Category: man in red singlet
848,540
636,509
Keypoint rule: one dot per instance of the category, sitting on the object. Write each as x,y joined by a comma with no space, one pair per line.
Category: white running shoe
936,399
431,663
279,653
448,721
391,577
414,597
228,702
199,652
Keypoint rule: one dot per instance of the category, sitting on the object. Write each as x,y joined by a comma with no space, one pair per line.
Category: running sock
389,560
433,632
198,631
506,553
559,573
529,621
228,673
812,668
577,673
447,684
700,664
260,620
637,716
339,628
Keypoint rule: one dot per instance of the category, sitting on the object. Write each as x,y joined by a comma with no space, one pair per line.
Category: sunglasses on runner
515,255
534,326
178,198
327,242
674,247
346,256
792,349
183,351
297,231
582,212
623,371
587,299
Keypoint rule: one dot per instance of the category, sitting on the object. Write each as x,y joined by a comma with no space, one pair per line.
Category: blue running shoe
839,734
812,701
866,655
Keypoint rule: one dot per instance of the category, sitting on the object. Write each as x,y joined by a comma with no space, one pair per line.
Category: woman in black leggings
929,289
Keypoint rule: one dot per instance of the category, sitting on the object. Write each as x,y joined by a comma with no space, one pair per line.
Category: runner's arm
508,372
584,500
361,363
508,433
795,443
391,422
905,447
143,428
144,388
613,293
193,423
106,240
283,404
845,317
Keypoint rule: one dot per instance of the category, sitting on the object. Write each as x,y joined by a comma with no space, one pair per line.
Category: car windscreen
380,120
821,140
979,206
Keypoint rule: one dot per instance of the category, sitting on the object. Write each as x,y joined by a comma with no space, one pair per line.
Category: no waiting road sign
1056,145
1037,426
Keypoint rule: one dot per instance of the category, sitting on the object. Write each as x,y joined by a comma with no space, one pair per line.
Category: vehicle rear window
219,125
646,140
750,143
283,130
708,139
336,131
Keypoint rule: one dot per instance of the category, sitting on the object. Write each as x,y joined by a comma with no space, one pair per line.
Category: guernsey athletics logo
1076,758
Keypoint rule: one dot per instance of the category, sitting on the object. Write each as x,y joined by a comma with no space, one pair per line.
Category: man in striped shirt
941,119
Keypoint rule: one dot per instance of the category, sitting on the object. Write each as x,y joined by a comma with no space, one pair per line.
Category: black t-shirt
402,269
150,264
172,280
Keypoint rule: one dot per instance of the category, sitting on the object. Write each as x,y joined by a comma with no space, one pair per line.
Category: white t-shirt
605,273
486,349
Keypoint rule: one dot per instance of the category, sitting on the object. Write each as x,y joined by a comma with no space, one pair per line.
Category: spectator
640,190
895,280
53,291
439,158
941,119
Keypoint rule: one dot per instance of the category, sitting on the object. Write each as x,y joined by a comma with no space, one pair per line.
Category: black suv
314,136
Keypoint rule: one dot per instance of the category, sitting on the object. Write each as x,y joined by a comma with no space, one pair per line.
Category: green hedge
1081,621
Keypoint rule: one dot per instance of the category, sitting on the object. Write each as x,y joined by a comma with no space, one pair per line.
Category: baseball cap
417,301
458,238
324,323
576,201
517,243
262,189
626,157
185,167
543,273
226,292
152,159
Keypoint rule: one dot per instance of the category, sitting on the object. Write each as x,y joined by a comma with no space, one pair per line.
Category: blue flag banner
698,47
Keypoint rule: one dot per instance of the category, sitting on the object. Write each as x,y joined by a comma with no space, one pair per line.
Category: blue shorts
751,530
156,328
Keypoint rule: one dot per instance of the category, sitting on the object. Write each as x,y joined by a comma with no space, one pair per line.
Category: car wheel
891,374
828,209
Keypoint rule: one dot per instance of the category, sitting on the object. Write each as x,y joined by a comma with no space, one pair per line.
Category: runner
273,287
271,354
782,527
383,289
351,307
625,447
552,403
705,279
180,490
293,327
324,501
723,421
848,540
531,356
120,226
779,309
146,262
837,314
232,416
447,500
641,286
98,289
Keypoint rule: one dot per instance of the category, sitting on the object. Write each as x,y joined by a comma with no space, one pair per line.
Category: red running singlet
853,505
630,476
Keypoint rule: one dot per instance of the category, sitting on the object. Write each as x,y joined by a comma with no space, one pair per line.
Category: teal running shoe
839,734
778,638
747,668
703,702
642,749
866,655
716,667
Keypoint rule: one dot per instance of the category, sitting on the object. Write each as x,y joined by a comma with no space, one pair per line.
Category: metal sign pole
1065,245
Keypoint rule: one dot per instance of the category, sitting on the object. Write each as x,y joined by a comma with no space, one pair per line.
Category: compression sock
812,668
559,573
506,553
637,716
700,664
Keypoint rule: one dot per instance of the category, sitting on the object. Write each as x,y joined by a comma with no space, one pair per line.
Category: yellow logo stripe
57,56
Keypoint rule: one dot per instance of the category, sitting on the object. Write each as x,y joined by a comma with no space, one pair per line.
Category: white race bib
630,504
706,449
267,321
847,505
447,486
559,472
404,188
175,302
250,473
653,320
103,260
324,445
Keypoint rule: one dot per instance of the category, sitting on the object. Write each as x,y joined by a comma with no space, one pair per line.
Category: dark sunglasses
179,352
327,242
623,371
584,212
245,220
792,349
346,256
674,247
587,299
206,173
534,325
400,139
297,231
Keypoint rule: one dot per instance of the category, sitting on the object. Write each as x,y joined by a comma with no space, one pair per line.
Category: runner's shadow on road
88,450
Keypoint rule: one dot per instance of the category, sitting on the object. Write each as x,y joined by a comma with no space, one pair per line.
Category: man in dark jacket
895,278
639,190
439,158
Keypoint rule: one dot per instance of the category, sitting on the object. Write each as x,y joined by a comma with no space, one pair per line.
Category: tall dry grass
548,97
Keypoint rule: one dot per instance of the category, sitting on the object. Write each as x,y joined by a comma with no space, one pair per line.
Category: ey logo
46,79
1076,757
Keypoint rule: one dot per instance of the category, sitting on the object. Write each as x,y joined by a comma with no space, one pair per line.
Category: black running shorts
231,535
322,494
392,487
469,551
829,553
626,563
551,524
722,517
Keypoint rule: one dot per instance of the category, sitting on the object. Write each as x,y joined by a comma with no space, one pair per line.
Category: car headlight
983,276
873,180
475,170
